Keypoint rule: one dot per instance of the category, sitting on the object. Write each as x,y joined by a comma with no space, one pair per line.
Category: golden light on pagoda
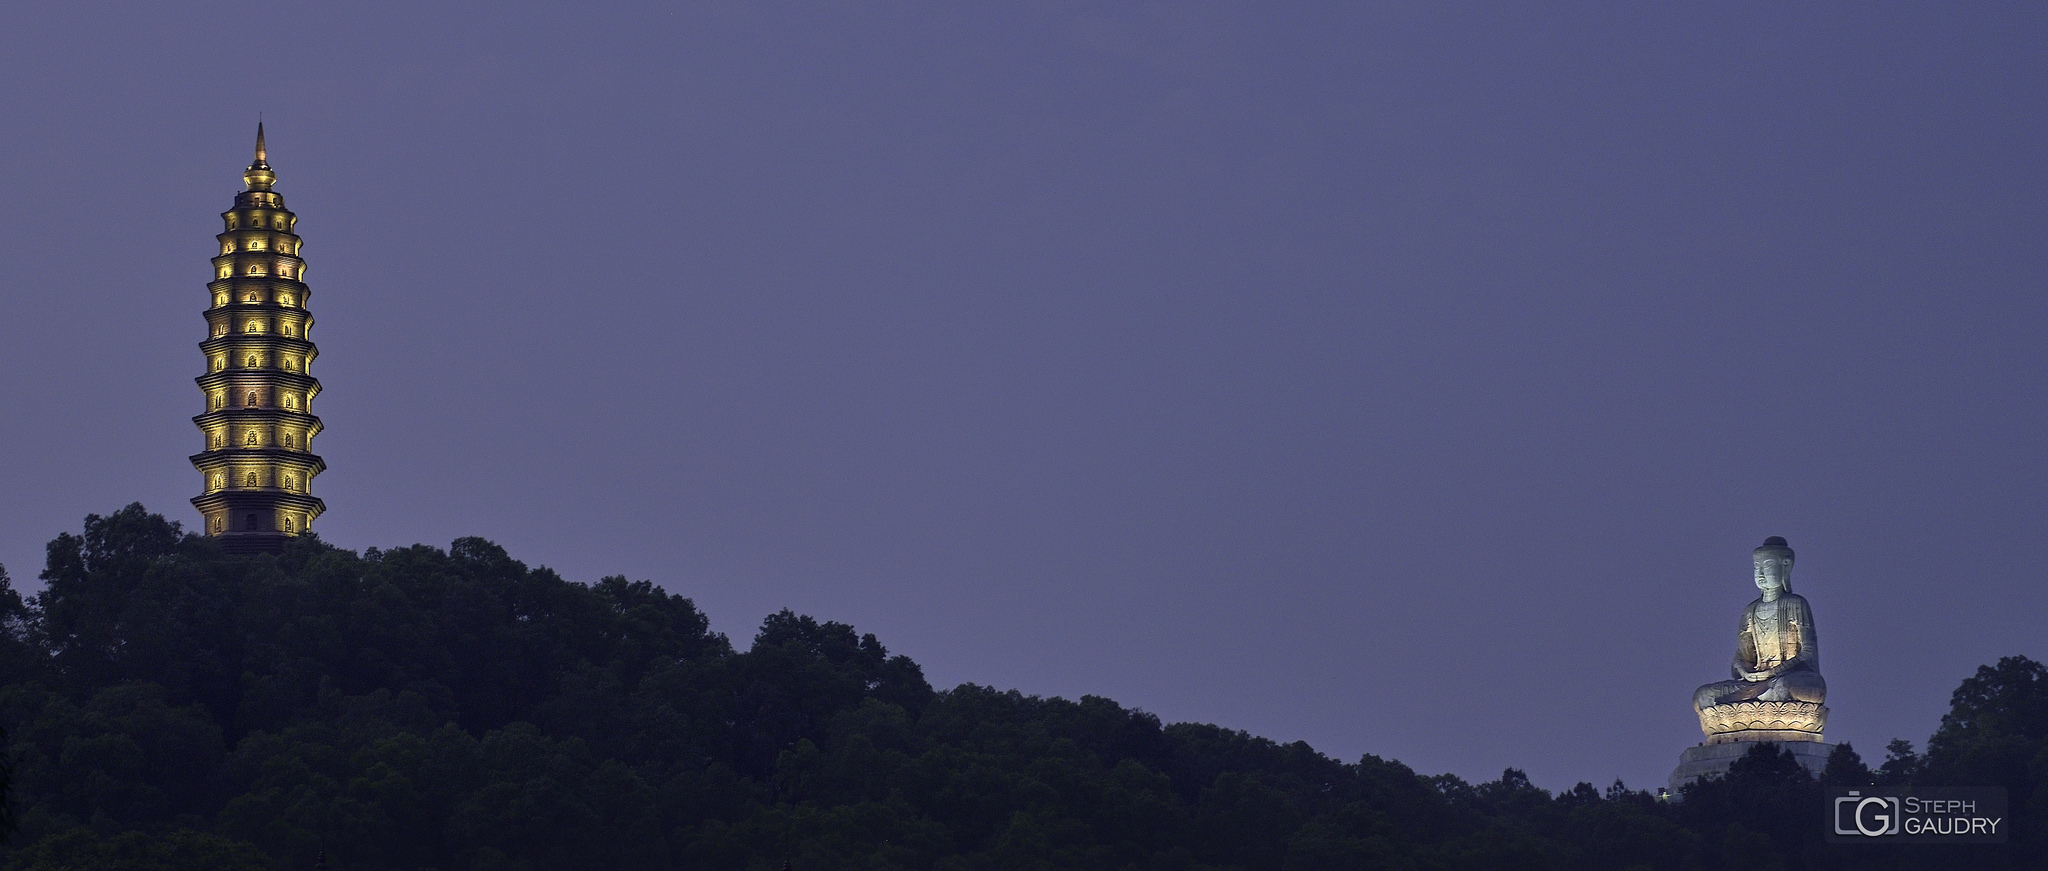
257,467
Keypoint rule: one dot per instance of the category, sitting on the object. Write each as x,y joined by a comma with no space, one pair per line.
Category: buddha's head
1773,567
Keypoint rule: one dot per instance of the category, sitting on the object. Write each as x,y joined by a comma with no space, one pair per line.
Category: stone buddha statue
1777,663
1776,693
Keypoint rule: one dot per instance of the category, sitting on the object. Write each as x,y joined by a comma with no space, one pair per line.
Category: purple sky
1408,379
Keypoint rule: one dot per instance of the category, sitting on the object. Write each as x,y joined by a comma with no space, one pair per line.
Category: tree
1766,793
1996,732
1845,770
170,706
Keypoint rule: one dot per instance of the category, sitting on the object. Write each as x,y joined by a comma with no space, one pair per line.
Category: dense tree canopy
168,706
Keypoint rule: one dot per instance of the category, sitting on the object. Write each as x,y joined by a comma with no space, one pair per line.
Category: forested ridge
168,706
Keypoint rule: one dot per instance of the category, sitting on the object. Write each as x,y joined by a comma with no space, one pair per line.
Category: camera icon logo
1869,816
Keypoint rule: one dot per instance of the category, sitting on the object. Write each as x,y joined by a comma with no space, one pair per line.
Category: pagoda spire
257,468
258,176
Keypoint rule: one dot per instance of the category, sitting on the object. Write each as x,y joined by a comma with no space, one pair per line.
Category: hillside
173,707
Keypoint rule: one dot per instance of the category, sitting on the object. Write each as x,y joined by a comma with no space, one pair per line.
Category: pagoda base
246,543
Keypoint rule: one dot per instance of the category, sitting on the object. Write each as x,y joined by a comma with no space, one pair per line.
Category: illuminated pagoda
258,466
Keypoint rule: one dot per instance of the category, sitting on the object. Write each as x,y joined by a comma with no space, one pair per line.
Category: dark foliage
168,706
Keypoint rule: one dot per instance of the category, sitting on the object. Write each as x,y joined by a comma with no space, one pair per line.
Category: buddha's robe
1777,657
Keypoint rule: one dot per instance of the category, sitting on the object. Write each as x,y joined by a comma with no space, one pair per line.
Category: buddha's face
1773,573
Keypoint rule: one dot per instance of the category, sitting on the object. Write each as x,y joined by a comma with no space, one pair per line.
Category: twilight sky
1410,379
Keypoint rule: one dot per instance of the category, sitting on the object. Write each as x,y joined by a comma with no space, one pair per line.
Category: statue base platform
1763,721
1732,729
1715,758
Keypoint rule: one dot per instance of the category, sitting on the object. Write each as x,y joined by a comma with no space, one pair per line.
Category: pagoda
257,468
